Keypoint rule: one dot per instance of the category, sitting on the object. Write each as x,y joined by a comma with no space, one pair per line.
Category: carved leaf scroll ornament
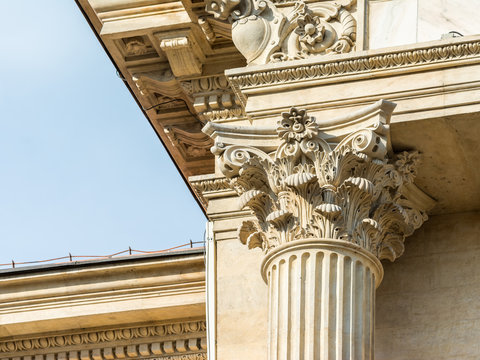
308,188
264,34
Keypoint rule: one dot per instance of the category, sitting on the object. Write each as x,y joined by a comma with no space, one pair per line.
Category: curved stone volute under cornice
330,200
263,33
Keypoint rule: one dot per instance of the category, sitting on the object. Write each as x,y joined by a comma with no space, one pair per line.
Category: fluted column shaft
321,300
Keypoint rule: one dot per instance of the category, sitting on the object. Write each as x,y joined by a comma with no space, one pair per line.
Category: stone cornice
80,289
106,294
357,65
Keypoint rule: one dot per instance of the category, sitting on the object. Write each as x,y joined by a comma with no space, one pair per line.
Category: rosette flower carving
308,188
296,125
309,29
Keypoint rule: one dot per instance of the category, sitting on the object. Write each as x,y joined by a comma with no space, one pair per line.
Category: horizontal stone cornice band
418,56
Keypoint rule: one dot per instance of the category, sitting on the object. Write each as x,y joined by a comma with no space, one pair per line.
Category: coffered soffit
156,46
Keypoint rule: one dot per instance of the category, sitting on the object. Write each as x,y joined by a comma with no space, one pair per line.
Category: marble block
392,23
439,17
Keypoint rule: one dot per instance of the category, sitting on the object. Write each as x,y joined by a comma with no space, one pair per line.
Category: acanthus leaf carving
350,190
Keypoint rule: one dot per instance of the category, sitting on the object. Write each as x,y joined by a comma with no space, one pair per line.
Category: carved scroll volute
264,34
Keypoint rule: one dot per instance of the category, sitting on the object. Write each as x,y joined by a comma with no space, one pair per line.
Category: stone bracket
184,54
213,98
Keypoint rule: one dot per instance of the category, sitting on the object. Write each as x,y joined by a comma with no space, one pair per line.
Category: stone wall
400,22
428,305
241,303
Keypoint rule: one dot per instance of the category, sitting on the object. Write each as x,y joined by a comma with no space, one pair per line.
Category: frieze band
102,336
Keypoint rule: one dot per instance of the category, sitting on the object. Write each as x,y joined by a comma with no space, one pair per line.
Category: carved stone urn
328,203
262,33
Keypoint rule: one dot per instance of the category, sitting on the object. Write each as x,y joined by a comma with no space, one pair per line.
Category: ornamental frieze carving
419,59
263,33
202,356
161,340
351,188
100,355
213,185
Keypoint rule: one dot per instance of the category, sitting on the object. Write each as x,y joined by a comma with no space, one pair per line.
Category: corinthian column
321,300
329,201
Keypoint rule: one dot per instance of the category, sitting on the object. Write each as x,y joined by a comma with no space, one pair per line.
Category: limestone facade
319,137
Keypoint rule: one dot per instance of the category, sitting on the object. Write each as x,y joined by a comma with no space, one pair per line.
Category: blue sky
81,170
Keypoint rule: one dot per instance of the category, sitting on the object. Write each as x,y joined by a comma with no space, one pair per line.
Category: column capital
337,179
